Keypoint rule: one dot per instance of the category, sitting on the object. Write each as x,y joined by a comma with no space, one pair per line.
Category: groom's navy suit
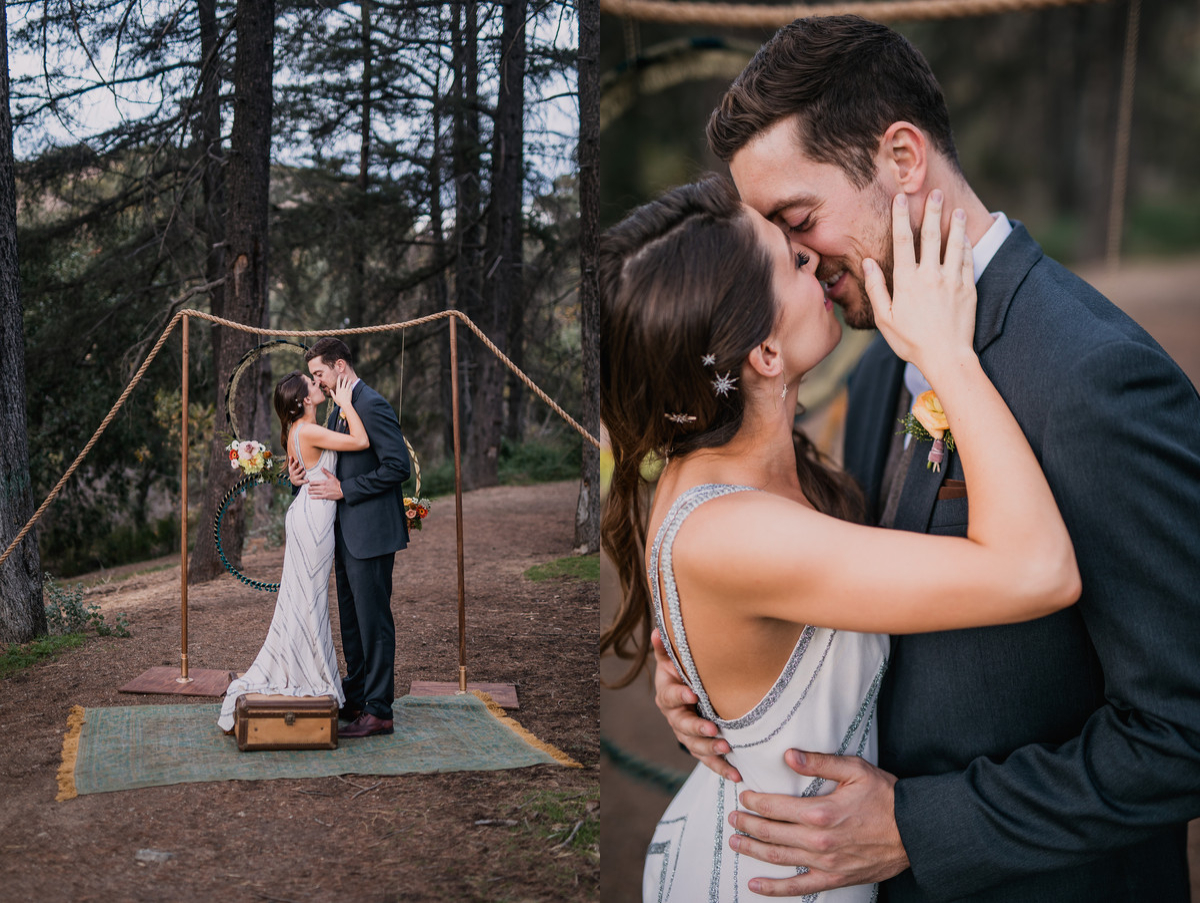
1057,760
370,528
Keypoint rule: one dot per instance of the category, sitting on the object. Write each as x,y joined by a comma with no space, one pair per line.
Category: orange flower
928,410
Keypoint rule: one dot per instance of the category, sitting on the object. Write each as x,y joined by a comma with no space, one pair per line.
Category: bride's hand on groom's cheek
678,705
846,837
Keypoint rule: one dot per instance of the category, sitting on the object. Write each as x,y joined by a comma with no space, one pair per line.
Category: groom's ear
902,158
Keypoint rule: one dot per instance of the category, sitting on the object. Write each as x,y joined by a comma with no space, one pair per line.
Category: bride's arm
1016,562
356,439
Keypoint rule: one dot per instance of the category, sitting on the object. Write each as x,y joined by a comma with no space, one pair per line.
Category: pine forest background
421,156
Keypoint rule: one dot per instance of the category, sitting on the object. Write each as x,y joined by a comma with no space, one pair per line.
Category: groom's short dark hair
330,350
847,79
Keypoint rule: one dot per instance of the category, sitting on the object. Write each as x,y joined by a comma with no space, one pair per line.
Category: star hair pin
723,385
709,360
681,419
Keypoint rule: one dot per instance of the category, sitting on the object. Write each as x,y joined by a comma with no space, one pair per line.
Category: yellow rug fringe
66,771
503,717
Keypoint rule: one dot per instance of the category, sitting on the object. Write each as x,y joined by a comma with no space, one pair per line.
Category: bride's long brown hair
290,393
685,295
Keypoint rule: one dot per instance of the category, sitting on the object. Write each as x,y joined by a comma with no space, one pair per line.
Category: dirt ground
1159,294
354,838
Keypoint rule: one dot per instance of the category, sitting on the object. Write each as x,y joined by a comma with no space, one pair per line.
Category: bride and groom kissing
348,510
1030,730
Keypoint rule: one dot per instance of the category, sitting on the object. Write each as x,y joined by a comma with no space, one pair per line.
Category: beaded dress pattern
298,658
823,701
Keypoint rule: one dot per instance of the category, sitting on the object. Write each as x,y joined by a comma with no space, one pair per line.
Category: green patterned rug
126,747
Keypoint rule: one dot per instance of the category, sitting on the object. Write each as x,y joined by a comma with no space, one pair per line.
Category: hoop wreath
257,479
249,480
250,357
252,479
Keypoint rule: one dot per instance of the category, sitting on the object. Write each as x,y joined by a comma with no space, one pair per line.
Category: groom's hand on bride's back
846,837
295,472
678,704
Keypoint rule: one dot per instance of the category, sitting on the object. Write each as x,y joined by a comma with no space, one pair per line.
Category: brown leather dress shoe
349,713
366,725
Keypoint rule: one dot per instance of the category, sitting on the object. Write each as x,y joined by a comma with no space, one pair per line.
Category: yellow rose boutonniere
927,421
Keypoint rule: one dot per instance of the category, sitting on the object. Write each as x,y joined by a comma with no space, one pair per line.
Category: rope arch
295,333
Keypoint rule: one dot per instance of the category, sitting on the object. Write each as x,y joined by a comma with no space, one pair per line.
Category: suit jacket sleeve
1121,450
388,444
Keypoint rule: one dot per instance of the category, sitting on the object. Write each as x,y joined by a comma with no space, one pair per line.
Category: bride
298,658
771,598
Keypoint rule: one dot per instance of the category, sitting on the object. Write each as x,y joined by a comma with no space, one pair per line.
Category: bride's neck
761,454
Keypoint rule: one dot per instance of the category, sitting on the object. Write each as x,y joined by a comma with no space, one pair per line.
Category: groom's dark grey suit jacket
371,515
1056,760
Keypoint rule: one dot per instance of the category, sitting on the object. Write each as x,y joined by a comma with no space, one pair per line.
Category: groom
1057,760
369,530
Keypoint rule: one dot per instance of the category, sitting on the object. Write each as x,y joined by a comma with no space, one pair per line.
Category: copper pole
183,515
458,515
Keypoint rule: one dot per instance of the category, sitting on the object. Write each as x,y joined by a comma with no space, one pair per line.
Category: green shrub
67,614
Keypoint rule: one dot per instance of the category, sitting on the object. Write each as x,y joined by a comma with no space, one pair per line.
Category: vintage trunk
285,722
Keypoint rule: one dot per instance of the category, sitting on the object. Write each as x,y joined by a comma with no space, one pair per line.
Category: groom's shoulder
1057,316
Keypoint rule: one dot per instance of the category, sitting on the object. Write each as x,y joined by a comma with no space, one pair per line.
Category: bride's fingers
968,262
954,243
931,230
902,238
881,301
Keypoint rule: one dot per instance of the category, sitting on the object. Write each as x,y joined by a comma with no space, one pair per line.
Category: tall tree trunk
466,163
587,511
504,255
438,293
358,234
246,261
22,616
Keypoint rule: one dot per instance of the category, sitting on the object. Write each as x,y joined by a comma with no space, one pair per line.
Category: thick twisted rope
296,333
751,15
408,324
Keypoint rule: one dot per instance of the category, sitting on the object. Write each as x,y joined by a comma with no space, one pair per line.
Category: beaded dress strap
660,560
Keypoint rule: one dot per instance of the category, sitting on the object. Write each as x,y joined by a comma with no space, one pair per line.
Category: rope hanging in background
1116,207
752,15
294,333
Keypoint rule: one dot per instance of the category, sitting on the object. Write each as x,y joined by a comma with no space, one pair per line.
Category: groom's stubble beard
859,314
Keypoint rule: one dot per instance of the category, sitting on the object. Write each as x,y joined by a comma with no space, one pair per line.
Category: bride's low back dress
823,701
298,658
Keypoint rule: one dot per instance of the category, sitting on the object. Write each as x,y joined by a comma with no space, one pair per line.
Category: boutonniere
341,415
927,421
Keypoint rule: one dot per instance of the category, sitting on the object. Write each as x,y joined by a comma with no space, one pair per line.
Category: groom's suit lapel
999,283
996,289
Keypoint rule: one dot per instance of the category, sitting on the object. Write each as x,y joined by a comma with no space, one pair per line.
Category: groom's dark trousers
370,528
1057,760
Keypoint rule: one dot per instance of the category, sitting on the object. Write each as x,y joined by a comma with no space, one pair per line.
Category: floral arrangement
927,422
251,458
416,510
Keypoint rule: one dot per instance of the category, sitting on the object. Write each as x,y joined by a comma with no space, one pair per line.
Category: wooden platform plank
164,679
505,695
